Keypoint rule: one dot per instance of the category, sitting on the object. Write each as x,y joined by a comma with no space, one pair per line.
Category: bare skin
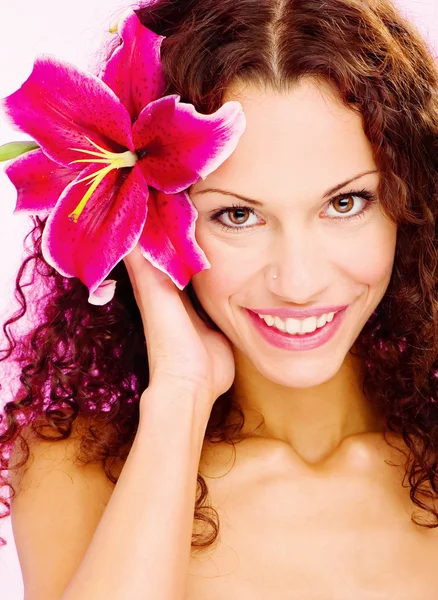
297,147
293,531
309,509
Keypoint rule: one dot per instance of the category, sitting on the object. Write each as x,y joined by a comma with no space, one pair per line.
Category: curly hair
88,361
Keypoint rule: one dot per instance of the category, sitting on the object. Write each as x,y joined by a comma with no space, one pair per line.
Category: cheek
213,288
224,277
370,257
232,264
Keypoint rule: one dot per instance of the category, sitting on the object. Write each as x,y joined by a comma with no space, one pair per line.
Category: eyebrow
329,192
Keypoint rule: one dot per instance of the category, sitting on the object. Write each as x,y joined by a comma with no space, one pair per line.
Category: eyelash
366,195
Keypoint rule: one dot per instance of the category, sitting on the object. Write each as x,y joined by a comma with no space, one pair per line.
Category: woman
291,392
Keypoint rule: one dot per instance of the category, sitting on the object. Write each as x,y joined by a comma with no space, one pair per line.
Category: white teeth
293,326
268,319
308,325
322,320
298,326
279,324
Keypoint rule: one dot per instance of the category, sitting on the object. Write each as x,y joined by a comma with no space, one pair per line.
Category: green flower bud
15,149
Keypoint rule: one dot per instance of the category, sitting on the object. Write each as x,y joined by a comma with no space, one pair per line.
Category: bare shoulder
30,448
56,510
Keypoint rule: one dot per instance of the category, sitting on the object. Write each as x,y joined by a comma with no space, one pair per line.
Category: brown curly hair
87,361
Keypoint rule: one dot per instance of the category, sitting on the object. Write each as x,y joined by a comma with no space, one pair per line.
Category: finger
158,298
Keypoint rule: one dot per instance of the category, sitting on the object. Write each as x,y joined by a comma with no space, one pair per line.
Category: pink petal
39,182
168,238
106,231
134,70
59,106
178,146
104,293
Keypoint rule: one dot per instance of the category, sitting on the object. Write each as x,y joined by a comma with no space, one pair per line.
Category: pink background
72,31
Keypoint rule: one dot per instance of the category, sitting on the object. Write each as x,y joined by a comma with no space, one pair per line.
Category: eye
352,205
237,216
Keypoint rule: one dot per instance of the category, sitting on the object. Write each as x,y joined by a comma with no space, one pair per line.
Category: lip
303,313
308,341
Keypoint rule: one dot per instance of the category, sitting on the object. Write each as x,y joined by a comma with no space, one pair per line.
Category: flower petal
39,182
178,146
104,293
59,106
134,70
107,230
168,238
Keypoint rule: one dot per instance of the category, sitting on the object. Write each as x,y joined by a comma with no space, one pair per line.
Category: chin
301,375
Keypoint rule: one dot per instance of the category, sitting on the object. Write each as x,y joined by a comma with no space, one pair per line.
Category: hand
182,351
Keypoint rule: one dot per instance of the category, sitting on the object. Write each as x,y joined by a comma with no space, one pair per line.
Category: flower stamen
113,160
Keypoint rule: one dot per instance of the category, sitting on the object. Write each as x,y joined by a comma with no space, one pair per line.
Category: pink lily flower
115,159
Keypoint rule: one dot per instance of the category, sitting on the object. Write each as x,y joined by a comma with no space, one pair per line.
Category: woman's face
328,248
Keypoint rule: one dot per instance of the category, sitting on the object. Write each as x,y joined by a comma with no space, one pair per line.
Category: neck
312,421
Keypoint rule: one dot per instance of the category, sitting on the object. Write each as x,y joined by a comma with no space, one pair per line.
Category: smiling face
327,247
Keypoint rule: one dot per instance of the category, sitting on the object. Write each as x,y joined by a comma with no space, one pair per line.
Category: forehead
298,142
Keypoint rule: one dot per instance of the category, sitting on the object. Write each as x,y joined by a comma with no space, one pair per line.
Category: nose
302,265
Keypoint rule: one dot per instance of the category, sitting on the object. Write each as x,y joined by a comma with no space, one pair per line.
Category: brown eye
240,214
351,205
237,217
343,205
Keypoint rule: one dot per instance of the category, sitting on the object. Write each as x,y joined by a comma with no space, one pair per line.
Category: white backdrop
72,31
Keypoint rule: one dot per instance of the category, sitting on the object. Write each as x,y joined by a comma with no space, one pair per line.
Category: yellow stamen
113,160
114,27
89,160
